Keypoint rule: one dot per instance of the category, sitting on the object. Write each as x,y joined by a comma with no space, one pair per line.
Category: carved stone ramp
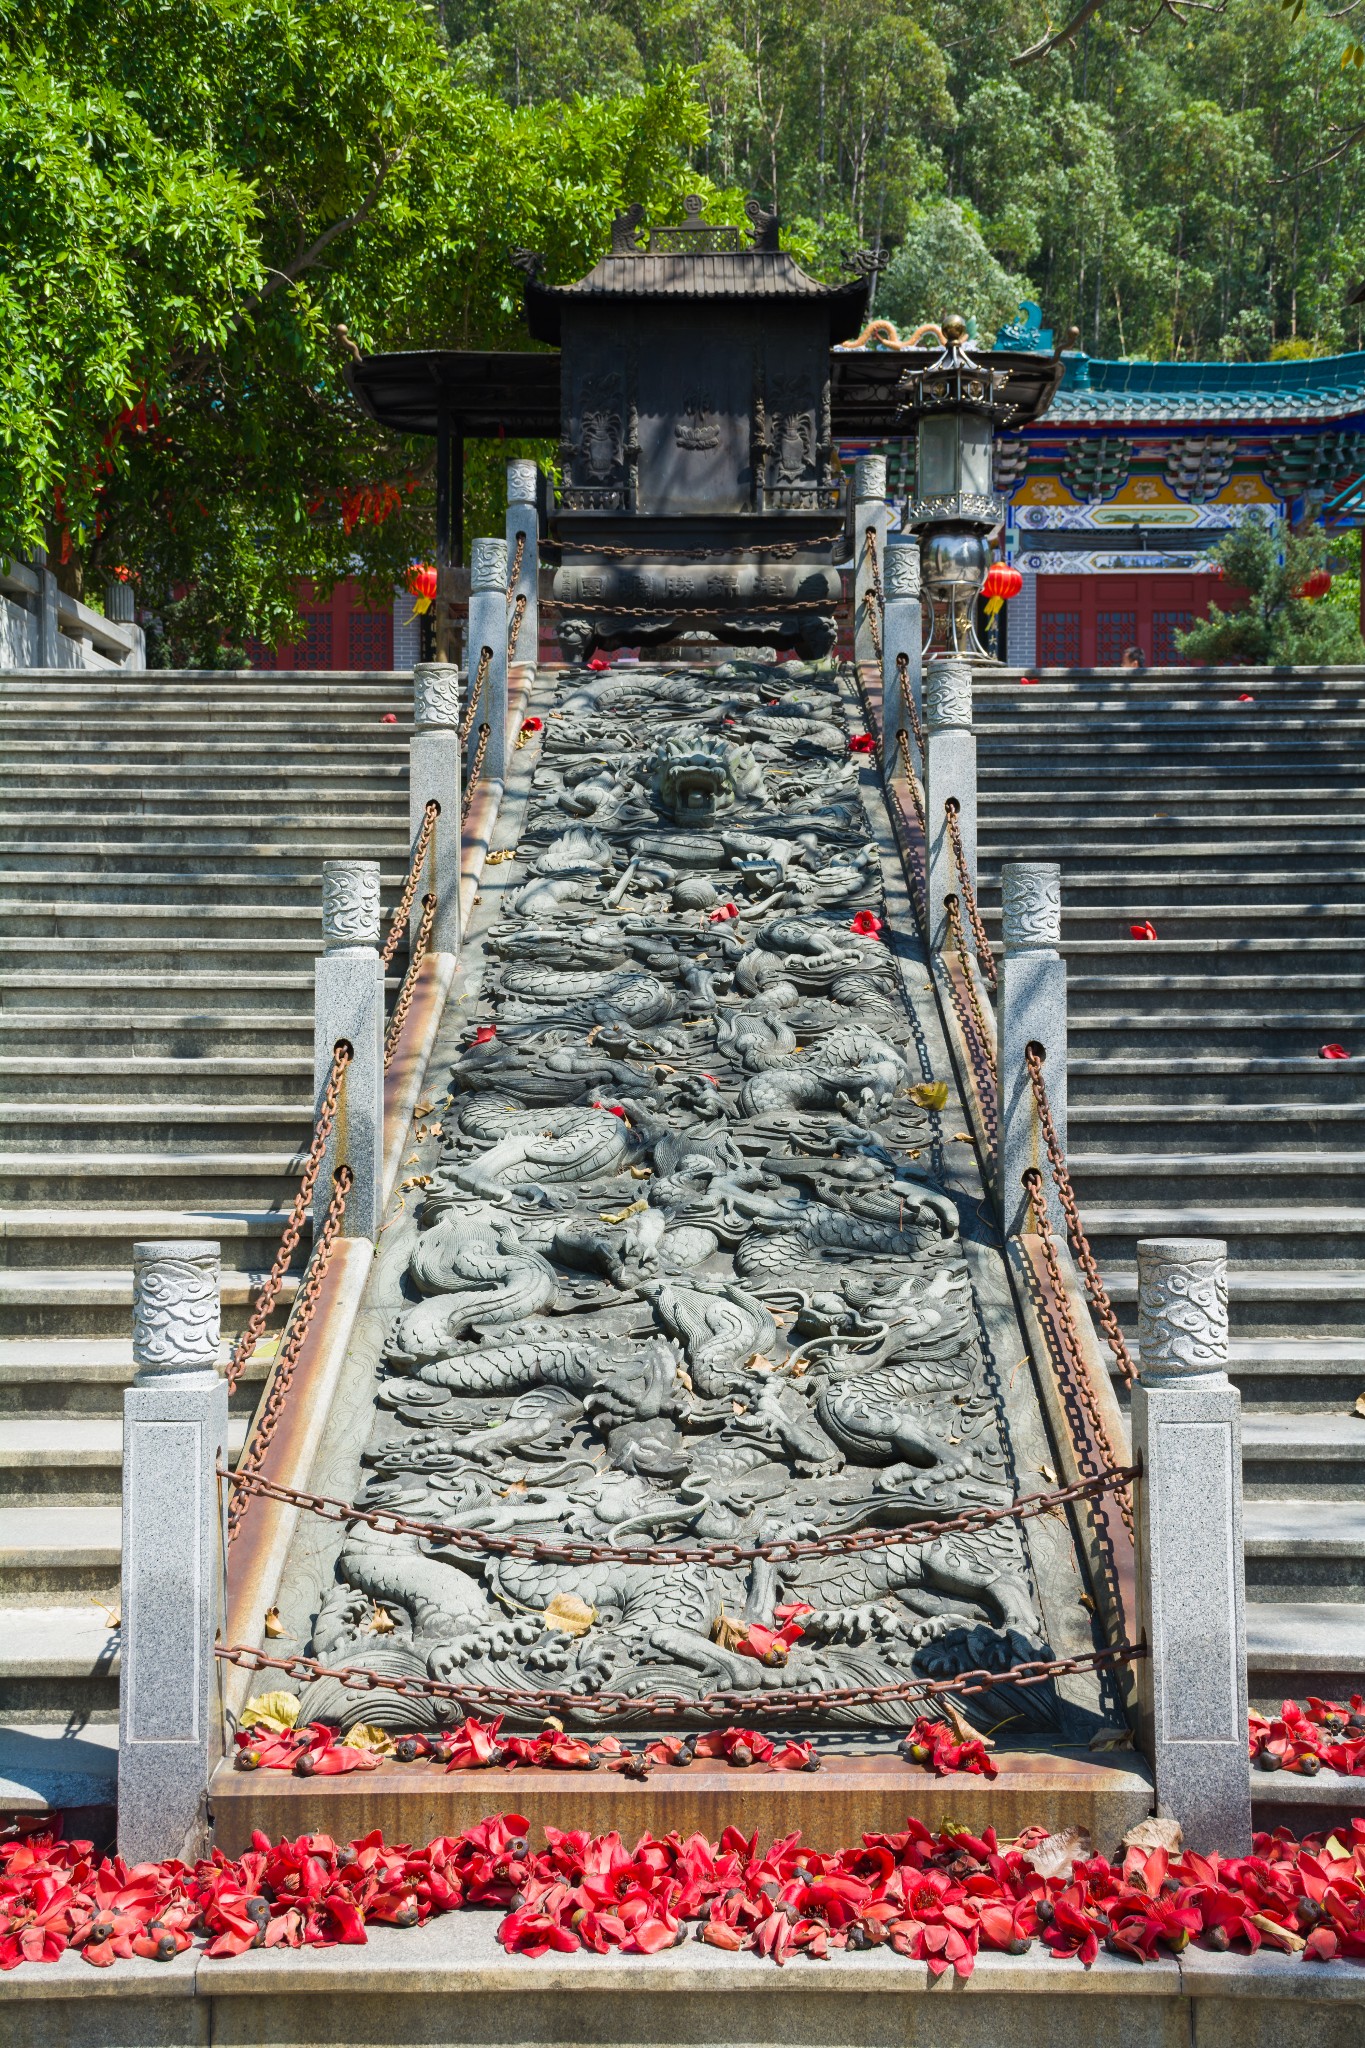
691,1247
1226,808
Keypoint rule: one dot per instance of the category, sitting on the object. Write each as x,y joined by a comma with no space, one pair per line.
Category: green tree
1279,624
943,266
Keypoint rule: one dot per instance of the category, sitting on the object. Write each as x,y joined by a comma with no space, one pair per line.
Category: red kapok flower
861,743
1145,930
722,912
598,663
1333,1052
866,924
484,1034
389,718
532,724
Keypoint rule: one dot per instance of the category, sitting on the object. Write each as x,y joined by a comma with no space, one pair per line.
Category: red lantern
422,584
1315,585
1001,582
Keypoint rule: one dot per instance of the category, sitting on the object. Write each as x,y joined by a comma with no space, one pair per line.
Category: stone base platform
449,1983
847,1797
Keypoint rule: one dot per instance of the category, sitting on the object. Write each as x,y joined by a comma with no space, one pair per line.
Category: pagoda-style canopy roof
1104,394
696,260
484,394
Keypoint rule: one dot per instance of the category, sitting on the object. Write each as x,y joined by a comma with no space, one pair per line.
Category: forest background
206,206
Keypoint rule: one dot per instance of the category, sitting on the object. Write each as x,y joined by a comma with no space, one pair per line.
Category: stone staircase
1199,1105
161,846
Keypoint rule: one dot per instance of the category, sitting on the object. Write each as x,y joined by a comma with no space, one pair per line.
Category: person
1133,658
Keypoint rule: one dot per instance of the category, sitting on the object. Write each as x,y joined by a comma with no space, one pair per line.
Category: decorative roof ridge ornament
625,231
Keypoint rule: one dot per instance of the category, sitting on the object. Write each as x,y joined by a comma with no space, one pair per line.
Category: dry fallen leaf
273,1625
570,1615
1360,1404
1055,1856
277,1710
412,1159
507,852
930,1095
960,1725
1048,1474
380,1623
112,1618
377,1740
620,1215
424,1109
1112,1738
640,1172
1155,1834
728,1632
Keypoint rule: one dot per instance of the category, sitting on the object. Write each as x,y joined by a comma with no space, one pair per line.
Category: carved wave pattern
681,1270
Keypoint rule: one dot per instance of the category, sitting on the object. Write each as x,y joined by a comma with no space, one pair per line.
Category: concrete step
1244,897
1306,1375
1104,1178
293,804
50,1656
1300,1549
293,887
1172,1030
1300,1646
1319,1457
1293,1302
1214,1078
1269,1236
87,1375
48,1767
279,1083
85,1237
164,954
113,1178
51,1556
369,835
147,1126
1115,959
1138,1130
72,1460
166,1032
90,993
76,1302
28,920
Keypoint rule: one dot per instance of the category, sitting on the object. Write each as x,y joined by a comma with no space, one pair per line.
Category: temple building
1117,494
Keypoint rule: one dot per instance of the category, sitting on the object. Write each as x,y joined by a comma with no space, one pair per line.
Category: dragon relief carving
679,1272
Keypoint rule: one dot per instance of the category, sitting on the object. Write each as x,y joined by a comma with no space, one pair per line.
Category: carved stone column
1030,1010
949,772
175,1418
1187,1435
434,772
871,514
349,1005
488,629
902,634
523,522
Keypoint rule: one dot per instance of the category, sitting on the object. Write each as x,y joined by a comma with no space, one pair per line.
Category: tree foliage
1279,624
205,206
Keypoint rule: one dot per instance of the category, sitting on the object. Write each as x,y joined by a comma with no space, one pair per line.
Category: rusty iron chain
1071,1349
777,1701
986,959
780,550
518,557
514,625
300,1319
959,945
874,604
575,1550
480,677
1080,1243
265,1301
475,771
398,923
908,700
409,988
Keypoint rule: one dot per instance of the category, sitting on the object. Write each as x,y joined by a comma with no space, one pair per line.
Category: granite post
523,641
902,634
1030,1009
434,773
488,629
349,1005
175,1420
949,773
1187,1437
871,514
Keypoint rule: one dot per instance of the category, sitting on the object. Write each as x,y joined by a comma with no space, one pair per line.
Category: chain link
874,604
1080,1244
1073,1354
480,677
908,700
575,1550
305,1303
958,940
518,557
398,923
985,958
475,771
722,1705
293,1229
514,627
780,550
409,988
